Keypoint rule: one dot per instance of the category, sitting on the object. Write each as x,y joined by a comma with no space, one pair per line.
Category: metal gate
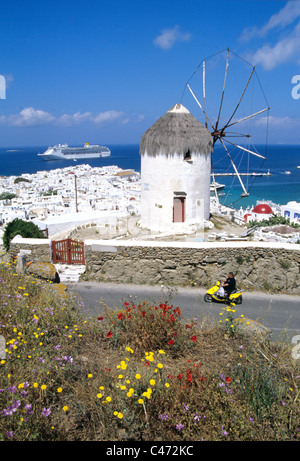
68,252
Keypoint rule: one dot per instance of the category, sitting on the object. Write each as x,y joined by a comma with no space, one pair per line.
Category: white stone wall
161,177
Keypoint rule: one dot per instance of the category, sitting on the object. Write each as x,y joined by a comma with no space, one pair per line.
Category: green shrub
26,229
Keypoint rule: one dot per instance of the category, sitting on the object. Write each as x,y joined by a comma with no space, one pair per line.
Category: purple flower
164,417
28,408
46,412
225,433
10,434
179,426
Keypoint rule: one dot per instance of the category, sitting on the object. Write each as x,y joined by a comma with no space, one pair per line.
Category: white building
175,173
291,211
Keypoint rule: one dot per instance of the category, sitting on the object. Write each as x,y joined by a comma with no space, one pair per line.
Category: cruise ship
64,152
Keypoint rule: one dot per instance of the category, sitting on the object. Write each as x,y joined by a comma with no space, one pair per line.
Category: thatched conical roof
176,132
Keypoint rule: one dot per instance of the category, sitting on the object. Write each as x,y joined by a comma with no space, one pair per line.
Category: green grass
138,373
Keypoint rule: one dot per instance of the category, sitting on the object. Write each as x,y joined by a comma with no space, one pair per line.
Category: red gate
68,252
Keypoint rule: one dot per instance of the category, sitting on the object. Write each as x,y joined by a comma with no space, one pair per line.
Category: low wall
37,249
257,265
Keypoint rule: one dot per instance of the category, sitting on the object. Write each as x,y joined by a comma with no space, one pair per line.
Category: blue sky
105,71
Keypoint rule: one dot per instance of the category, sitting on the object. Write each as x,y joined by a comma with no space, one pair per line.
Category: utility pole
76,203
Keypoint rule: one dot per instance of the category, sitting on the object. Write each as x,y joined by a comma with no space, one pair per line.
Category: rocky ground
220,224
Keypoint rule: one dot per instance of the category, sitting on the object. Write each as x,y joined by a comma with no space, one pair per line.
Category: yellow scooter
234,297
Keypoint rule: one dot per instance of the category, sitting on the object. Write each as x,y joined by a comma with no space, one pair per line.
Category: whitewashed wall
163,175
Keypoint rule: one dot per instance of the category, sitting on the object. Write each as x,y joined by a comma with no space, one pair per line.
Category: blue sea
279,187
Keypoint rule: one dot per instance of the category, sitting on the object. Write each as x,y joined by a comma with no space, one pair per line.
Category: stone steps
69,273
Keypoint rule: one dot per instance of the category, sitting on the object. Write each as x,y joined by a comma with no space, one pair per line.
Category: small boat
216,186
286,172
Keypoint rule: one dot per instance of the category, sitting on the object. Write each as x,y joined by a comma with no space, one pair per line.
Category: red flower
203,379
120,316
228,379
107,369
109,334
100,318
194,338
126,304
128,309
180,376
189,376
171,342
187,327
146,364
143,313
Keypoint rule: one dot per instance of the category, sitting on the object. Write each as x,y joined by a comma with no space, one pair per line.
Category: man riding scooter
227,286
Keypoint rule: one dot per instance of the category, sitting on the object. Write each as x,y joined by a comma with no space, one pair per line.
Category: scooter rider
227,286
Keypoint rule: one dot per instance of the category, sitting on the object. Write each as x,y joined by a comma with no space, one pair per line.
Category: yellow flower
120,376
65,408
59,389
160,365
99,396
152,382
137,376
120,415
43,386
90,375
161,351
167,384
20,386
123,365
35,385
140,401
108,399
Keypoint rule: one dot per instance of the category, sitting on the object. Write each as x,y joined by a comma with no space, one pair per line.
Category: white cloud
29,116
108,116
283,18
286,49
169,37
73,119
275,121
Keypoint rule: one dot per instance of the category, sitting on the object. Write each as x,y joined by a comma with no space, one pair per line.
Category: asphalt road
279,313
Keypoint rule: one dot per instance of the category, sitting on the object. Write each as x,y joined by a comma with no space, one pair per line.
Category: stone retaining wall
257,265
36,249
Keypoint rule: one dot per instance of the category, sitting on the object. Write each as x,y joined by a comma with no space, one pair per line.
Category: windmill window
187,155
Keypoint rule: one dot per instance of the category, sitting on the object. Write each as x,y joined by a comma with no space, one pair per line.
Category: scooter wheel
207,298
239,300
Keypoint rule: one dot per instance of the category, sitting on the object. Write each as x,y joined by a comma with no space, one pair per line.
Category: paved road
280,313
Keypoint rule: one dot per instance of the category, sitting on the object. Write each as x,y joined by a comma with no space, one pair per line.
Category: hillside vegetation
141,372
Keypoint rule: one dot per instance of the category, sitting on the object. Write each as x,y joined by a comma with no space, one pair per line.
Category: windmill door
68,251
178,209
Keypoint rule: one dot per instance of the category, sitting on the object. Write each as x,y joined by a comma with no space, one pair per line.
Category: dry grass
139,373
